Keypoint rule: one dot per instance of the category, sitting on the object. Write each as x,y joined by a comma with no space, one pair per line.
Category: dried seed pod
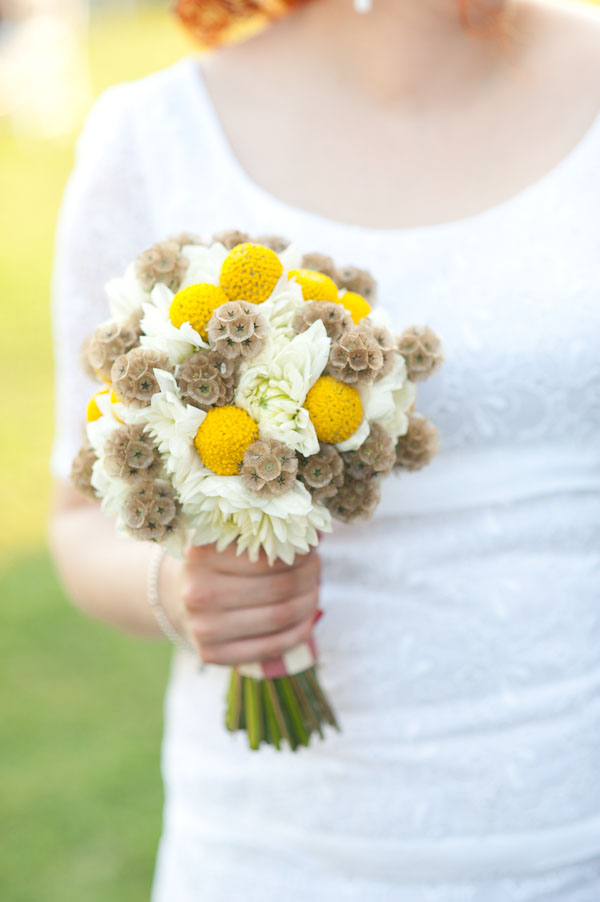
130,454
133,377
376,455
151,510
134,323
85,365
359,280
334,317
321,262
231,237
387,343
106,344
355,500
269,467
422,350
184,238
207,379
277,243
355,358
162,263
237,329
322,473
81,471
417,448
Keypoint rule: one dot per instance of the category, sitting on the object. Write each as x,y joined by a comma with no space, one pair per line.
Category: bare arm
233,610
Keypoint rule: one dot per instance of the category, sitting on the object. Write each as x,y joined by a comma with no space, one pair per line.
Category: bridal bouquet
250,395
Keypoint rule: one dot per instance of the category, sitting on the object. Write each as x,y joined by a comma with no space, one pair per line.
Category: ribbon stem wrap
278,699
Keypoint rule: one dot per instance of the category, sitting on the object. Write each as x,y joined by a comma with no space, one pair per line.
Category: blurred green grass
80,793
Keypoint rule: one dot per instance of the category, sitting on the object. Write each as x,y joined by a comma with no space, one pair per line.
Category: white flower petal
388,401
291,257
380,317
357,438
205,263
125,295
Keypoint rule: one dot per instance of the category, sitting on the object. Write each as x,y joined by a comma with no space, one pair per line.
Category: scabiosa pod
417,448
387,345
151,510
229,238
133,378
277,243
376,455
184,239
131,454
356,499
237,329
422,350
269,467
81,470
356,357
321,262
207,379
336,319
109,342
322,473
353,278
163,262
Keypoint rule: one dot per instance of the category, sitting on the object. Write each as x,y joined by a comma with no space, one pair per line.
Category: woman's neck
417,50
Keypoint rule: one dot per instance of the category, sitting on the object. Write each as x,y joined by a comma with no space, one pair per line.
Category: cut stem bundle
271,710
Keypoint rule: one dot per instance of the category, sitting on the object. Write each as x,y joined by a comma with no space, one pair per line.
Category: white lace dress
461,642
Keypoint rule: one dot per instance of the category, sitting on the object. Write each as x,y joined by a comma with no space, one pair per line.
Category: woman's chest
520,324
514,295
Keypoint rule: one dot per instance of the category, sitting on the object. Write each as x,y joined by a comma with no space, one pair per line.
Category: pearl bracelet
158,552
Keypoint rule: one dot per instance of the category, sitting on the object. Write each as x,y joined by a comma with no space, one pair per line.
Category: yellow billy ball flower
223,438
316,286
335,409
356,304
93,411
195,305
250,272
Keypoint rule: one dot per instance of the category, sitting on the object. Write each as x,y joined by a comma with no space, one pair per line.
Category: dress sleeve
104,222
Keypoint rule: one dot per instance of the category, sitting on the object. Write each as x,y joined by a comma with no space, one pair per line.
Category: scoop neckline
206,106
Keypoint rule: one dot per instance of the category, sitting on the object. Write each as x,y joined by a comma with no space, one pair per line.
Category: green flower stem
281,723
270,710
308,715
274,732
234,701
291,707
268,739
305,694
253,712
319,694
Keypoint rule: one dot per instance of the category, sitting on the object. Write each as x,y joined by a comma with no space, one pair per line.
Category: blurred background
81,718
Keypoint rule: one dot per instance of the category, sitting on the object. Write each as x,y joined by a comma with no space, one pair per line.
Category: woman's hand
235,611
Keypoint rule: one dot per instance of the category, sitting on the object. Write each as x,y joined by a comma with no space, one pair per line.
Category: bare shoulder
567,43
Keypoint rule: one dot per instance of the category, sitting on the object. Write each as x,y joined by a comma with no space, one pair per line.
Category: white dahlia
273,390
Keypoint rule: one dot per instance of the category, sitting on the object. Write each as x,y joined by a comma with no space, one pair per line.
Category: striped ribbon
296,660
